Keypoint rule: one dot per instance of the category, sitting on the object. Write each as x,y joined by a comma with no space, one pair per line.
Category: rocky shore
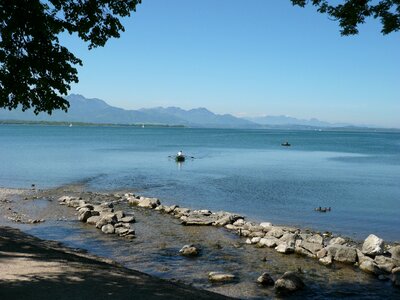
221,252
373,256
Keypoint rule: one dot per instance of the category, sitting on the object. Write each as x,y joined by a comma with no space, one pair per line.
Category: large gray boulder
373,245
342,253
289,283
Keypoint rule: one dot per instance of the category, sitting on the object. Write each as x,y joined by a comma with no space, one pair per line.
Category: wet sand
159,238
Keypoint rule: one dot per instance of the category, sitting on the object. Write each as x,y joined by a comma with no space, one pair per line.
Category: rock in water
108,229
220,277
93,220
373,245
189,250
395,251
128,219
85,215
289,283
265,279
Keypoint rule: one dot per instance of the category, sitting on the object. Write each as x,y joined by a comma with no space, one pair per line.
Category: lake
357,174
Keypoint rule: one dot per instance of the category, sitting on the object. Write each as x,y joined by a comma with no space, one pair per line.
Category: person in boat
180,153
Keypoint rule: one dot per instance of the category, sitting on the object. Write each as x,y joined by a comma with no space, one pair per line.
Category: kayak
180,158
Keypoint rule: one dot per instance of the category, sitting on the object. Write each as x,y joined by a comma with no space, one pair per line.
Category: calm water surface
245,171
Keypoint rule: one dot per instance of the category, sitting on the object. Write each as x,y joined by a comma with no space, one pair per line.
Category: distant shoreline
153,125
65,123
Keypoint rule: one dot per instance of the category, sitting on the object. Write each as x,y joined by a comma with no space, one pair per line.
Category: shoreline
200,221
33,268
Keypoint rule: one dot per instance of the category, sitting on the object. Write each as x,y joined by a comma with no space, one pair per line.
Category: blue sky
247,58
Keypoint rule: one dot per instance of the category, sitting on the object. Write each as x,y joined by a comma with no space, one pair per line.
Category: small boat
285,144
70,124
180,158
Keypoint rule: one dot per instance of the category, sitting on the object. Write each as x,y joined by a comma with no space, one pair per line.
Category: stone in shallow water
128,219
268,242
189,250
342,253
289,283
121,230
93,220
265,279
275,232
285,248
326,261
108,229
369,266
220,277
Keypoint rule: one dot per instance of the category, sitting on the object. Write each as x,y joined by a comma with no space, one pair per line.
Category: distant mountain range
287,121
98,111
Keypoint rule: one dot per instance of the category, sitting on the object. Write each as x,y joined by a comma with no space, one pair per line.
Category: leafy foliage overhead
35,69
351,13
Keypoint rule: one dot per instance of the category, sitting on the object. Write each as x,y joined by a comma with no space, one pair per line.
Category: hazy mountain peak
98,111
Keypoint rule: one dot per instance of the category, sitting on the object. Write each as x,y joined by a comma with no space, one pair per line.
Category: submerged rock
265,279
220,277
373,245
189,250
289,283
